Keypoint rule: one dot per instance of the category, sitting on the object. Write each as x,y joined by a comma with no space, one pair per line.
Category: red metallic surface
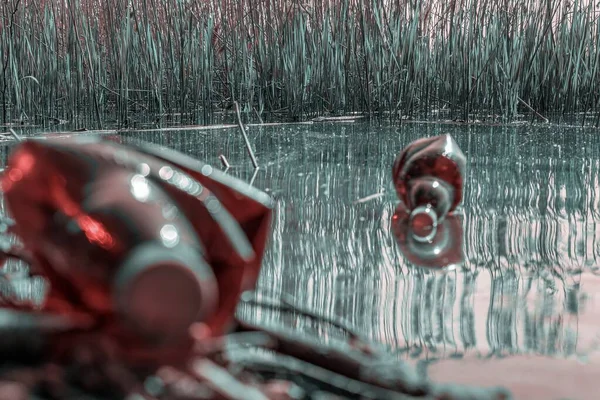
247,205
438,157
141,241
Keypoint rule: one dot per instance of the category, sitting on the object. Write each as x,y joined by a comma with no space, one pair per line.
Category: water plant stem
243,130
185,61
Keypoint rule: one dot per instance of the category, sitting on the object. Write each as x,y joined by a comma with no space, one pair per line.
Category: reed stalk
128,60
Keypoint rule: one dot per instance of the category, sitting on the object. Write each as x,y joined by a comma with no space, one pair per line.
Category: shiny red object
142,241
438,158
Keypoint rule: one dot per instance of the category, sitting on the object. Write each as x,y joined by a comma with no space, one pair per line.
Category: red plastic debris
143,241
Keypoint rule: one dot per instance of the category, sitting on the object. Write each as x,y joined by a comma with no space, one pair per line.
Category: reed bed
117,60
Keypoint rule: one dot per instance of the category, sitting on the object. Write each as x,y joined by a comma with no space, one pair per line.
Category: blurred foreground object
429,176
147,238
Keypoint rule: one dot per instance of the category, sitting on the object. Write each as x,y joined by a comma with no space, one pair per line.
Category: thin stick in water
370,197
258,116
14,134
224,161
248,147
253,176
533,110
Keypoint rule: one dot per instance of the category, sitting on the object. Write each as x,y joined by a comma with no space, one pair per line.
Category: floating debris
428,177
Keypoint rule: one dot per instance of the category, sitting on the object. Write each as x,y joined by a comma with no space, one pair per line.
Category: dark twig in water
335,382
248,147
354,364
324,379
286,305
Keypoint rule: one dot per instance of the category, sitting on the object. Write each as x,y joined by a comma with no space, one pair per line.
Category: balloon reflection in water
443,251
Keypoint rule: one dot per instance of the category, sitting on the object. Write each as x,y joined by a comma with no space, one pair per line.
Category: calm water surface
522,310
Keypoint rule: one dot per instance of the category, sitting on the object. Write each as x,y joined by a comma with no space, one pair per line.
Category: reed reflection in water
531,223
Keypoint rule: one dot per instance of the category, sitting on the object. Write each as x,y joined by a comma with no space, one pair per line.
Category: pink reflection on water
526,376
566,373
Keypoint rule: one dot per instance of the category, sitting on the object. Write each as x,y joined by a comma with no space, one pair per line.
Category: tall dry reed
118,60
